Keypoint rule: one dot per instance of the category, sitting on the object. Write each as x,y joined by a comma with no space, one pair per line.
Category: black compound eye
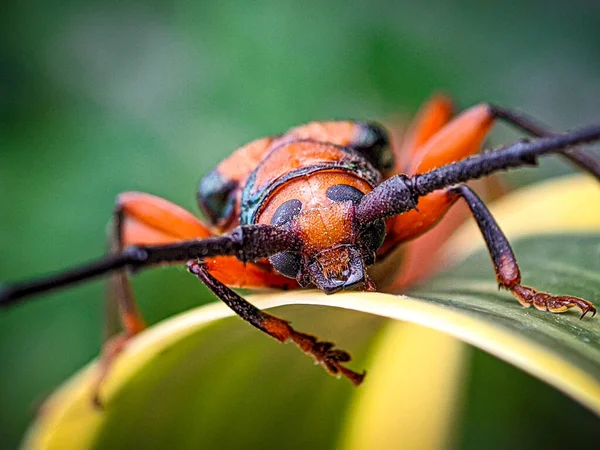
374,143
373,236
373,136
287,263
286,212
216,196
344,193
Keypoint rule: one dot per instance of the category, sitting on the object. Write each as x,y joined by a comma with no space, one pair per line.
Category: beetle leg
151,220
432,116
144,219
237,274
505,263
139,218
120,298
433,138
324,353
461,137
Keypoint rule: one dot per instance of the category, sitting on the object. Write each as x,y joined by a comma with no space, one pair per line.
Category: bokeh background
100,97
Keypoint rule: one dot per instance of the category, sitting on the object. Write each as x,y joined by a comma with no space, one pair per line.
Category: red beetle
322,205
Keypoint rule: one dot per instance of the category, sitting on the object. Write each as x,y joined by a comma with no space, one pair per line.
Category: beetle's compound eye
216,197
373,142
373,236
286,212
287,263
344,193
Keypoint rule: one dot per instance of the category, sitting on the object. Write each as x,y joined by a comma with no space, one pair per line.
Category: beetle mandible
322,205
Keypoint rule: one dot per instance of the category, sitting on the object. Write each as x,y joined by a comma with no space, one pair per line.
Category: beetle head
338,268
336,250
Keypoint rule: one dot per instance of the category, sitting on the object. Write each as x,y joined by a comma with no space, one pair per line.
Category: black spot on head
287,263
344,193
286,212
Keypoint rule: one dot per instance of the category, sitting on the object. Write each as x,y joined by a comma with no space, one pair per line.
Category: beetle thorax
320,208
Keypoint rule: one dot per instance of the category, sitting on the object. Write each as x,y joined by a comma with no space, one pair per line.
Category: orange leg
163,221
139,219
433,115
150,220
234,273
461,137
143,219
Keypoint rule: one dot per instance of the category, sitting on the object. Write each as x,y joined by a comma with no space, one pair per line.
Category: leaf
405,387
196,381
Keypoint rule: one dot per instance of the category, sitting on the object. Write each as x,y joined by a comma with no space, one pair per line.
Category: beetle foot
543,301
324,353
327,356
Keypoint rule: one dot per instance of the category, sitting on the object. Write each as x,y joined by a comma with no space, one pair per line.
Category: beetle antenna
583,161
12,294
247,243
401,193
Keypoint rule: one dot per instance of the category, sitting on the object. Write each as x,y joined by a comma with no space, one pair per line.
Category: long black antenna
401,193
13,294
247,243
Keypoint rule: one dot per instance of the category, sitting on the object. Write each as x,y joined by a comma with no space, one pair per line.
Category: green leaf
201,380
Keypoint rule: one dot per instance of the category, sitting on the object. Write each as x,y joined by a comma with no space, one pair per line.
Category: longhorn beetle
320,205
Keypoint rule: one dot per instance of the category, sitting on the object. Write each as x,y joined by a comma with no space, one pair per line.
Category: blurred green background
100,97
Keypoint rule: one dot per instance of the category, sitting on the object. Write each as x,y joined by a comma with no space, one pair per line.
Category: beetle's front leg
505,263
324,353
